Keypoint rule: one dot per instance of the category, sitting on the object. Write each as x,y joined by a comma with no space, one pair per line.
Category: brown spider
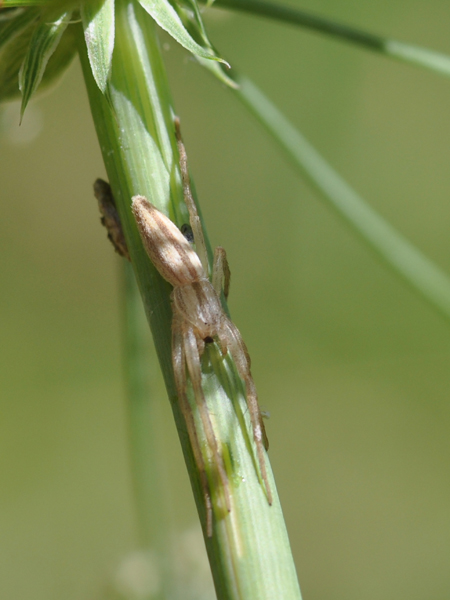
198,318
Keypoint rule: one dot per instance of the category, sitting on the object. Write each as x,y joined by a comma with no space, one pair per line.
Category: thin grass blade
418,56
192,7
60,59
12,54
218,70
43,43
291,15
169,19
189,12
97,17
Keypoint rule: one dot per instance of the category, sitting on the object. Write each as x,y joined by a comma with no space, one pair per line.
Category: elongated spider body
198,317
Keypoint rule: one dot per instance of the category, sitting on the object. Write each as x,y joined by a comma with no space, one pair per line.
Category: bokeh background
352,366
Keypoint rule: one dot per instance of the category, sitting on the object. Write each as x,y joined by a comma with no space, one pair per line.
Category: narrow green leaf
418,56
16,29
189,13
60,59
218,70
43,43
168,18
414,55
192,8
11,58
98,24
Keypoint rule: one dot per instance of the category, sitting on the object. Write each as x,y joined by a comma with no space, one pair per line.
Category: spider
198,319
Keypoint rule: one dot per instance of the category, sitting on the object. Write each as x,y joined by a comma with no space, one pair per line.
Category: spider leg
221,272
194,219
193,364
179,369
241,358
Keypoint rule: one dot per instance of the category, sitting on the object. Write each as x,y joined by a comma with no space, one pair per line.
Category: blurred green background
351,365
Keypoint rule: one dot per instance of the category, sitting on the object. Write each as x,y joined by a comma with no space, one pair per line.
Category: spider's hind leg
193,364
194,218
179,369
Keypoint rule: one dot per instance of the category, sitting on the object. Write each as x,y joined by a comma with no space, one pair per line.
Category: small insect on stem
198,317
110,217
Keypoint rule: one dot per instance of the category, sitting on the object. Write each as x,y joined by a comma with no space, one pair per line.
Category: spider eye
186,230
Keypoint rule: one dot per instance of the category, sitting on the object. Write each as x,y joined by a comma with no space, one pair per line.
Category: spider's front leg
231,338
228,333
221,269
179,371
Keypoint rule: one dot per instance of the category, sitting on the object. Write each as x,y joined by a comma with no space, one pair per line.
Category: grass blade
60,59
13,52
97,17
409,53
43,43
168,18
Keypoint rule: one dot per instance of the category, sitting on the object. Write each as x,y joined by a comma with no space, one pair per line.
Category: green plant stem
249,551
409,53
397,252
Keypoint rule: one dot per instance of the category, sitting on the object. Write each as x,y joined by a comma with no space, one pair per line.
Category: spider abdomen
167,247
